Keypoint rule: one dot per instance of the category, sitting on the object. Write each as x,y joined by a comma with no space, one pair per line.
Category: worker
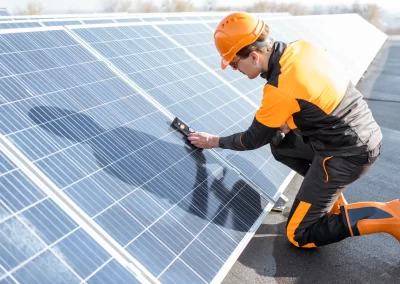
330,135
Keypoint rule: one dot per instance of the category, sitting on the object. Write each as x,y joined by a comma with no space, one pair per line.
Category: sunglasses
234,65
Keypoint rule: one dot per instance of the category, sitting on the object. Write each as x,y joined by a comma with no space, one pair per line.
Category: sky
64,6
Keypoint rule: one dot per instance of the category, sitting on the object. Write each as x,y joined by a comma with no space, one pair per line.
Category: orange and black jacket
312,93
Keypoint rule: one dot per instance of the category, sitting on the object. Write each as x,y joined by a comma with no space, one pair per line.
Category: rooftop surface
270,258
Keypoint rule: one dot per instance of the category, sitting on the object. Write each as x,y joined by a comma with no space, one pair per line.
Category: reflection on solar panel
111,153
96,180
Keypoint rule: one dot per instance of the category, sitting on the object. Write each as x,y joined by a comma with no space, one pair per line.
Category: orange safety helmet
234,32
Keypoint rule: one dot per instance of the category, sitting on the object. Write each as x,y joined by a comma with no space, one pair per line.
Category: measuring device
184,129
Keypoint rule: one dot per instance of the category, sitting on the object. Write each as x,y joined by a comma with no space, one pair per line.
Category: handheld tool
184,129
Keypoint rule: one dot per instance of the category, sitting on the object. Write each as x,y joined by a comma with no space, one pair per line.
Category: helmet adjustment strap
263,43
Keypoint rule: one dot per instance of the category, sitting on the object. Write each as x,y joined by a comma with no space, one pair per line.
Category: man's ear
255,56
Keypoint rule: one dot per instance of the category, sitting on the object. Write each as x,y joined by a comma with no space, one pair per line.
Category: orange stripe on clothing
295,221
324,166
242,142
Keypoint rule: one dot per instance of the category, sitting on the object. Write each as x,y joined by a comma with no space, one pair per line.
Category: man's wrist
215,142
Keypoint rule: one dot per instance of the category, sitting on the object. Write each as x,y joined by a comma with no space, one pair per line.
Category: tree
183,6
112,6
32,8
147,7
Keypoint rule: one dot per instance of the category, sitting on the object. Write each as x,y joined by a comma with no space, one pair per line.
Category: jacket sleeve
255,137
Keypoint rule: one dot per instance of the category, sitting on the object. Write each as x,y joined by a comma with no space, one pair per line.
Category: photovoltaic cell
116,157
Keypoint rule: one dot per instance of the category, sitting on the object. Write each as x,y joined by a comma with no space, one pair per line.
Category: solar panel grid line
64,202
8,275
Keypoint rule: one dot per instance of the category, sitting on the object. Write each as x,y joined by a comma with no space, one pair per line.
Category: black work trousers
325,178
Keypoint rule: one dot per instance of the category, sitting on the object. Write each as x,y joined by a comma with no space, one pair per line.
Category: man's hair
245,51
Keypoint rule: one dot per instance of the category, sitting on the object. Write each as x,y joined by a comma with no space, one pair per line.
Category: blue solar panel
116,157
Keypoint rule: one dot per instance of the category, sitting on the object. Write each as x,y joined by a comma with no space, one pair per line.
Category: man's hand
204,140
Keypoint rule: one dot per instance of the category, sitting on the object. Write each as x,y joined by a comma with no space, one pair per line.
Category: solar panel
111,154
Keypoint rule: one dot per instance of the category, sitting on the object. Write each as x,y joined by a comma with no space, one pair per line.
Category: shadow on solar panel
134,157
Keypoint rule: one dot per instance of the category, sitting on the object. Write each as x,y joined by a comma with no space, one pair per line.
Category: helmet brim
224,63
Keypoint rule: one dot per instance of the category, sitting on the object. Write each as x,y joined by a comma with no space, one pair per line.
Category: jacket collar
276,54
